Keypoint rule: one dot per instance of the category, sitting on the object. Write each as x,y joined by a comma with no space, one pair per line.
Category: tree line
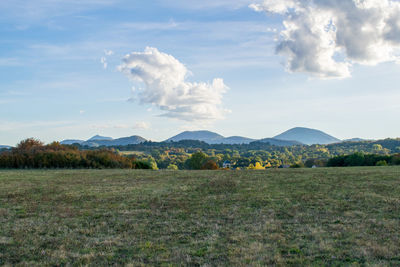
33,154
196,155
361,159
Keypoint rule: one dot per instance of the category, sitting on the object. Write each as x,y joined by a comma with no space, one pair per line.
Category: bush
297,165
172,167
33,154
382,163
210,165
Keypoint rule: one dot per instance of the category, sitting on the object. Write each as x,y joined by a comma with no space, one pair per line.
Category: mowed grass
309,217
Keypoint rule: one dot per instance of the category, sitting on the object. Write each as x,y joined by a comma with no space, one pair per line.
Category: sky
71,69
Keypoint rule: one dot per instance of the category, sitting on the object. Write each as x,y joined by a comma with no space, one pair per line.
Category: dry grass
329,217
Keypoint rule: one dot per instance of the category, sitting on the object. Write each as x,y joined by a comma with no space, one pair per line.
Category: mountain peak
307,136
205,136
99,138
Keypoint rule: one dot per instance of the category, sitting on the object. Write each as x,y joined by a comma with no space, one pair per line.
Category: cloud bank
166,87
325,38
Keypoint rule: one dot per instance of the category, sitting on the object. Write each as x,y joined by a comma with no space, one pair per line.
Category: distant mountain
307,136
71,142
205,136
132,140
295,136
355,140
210,138
5,147
99,138
97,141
277,142
233,140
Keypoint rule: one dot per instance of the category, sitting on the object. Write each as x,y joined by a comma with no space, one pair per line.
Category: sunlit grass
274,217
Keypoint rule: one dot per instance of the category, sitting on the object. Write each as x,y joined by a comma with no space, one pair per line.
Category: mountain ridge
291,137
307,136
97,141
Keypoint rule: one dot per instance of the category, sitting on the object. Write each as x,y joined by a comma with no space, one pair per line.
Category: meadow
281,217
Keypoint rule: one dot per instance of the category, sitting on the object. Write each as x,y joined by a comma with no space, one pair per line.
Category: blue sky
53,85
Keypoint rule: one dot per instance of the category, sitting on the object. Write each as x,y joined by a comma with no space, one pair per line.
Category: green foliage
358,159
297,165
161,155
172,167
382,163
197,160
33,154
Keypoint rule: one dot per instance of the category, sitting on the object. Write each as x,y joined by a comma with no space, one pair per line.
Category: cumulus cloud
166,87
325,38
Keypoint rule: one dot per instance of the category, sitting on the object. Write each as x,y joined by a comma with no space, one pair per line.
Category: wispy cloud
206,4
141,126
12,126
149,26
32,11
10,62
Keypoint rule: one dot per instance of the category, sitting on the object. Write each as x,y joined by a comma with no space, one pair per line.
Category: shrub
172,167
32,153
382,163
297,165
210,165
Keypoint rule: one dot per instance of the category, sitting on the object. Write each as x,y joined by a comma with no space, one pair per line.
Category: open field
307,217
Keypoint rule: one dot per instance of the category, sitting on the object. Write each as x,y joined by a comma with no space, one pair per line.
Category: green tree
197,160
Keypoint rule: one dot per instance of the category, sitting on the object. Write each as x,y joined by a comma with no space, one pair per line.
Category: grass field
312,217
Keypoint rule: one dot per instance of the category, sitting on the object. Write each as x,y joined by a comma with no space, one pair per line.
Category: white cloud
164,78
110,126
325,38
108,52
103,61
141,126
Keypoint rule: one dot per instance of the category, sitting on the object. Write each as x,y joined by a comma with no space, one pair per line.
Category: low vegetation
361,159
196,155
298,217
33,154
246,156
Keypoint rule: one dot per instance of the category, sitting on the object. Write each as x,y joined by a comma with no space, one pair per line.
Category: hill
205,136
99,138
71,142
210,138
307,136
132,140
237,140
5,147
277,142
98,141
355,140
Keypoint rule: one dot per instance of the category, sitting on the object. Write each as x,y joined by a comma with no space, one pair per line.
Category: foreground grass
277,217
